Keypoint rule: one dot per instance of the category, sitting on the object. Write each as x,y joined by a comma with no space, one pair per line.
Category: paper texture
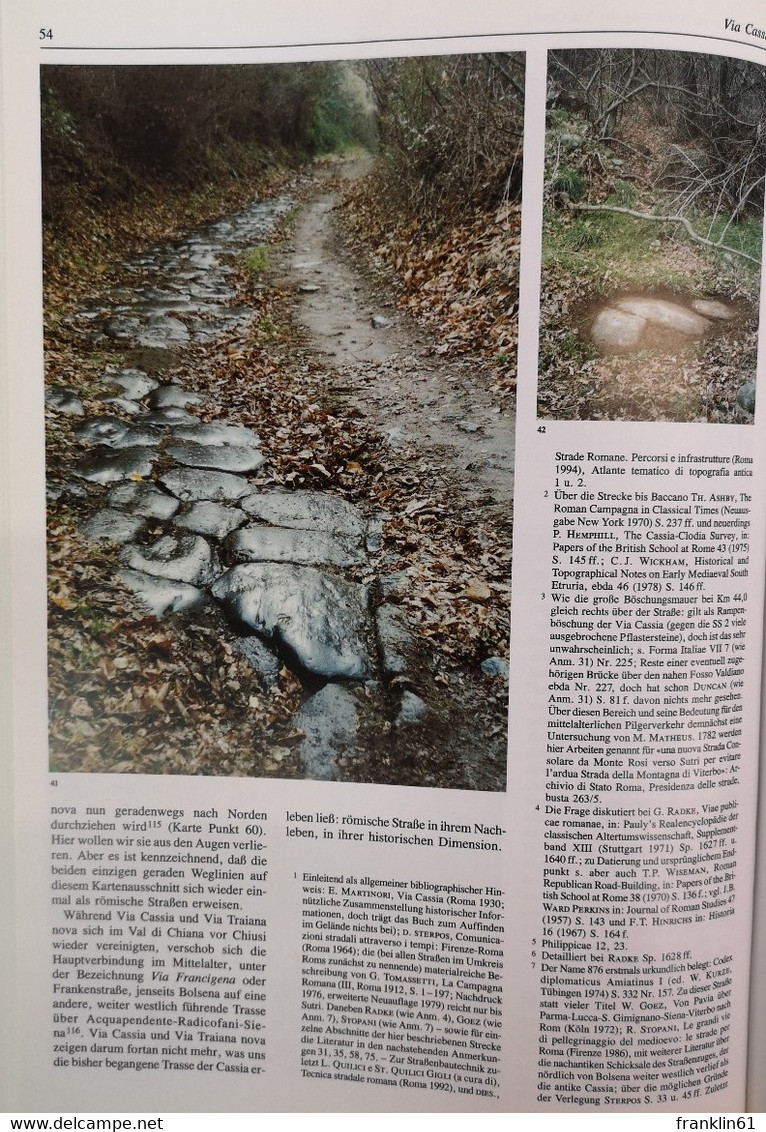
392,740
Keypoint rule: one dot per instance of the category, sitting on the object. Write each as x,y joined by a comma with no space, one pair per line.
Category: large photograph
280,346
652,236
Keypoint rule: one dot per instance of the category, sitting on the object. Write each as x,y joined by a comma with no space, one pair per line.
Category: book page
382,431
756,1032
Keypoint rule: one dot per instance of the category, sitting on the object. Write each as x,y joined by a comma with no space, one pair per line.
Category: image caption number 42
45,33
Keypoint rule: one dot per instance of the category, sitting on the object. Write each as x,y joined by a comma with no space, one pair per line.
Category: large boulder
314,620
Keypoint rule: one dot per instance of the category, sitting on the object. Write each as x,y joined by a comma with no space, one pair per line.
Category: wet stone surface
304,548
172,396
161,596
218,435
114,525
187,558
65,401
313,619
134,383
307,511
220,458
143,499
114,433
109,466
330,722
195,484
215,520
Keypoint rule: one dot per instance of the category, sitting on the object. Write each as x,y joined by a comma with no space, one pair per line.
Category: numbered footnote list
646,604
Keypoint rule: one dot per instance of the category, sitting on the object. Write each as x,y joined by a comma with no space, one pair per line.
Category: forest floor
594,252
349,396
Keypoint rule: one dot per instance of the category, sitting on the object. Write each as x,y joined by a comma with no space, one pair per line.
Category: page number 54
45,33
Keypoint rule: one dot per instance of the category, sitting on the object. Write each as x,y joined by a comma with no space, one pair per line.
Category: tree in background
711,107
450,131
107,131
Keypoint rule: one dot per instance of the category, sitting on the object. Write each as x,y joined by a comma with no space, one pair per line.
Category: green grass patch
569,183
597,245
746,236
255,261
617,250
610,250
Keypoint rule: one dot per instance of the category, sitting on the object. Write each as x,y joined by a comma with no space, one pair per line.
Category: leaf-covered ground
591,255
461,282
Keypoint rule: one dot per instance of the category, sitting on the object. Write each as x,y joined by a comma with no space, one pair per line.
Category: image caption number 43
45,33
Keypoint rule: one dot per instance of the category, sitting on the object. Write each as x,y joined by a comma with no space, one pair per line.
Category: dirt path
386,368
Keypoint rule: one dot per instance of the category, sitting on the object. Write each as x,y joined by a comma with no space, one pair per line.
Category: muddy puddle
657,322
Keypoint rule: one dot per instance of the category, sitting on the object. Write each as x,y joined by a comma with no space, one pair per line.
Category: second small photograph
652,237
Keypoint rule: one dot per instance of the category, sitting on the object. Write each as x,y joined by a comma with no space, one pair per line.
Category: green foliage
109,132
255,261
584,234
605,250
745,236
335,121
569,183
625,194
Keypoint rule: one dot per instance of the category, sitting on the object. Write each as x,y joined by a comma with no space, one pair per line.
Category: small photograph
652,236
280,348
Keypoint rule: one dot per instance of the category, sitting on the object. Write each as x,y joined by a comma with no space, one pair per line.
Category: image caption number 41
45,33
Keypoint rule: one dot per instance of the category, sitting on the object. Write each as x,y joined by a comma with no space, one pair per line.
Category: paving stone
64,400
122,327
307,511
394,641
114,525
313,619
172,397
215,520
161,331
330,720
161,596
746,397
263,660
101,430
411,710
106,465
218,434
143,499
661,312
304,548
191,484
617,329
713,308
114,433
134,383
187,558
222,459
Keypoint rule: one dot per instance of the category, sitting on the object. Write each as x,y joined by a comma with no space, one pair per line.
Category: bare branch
665,220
